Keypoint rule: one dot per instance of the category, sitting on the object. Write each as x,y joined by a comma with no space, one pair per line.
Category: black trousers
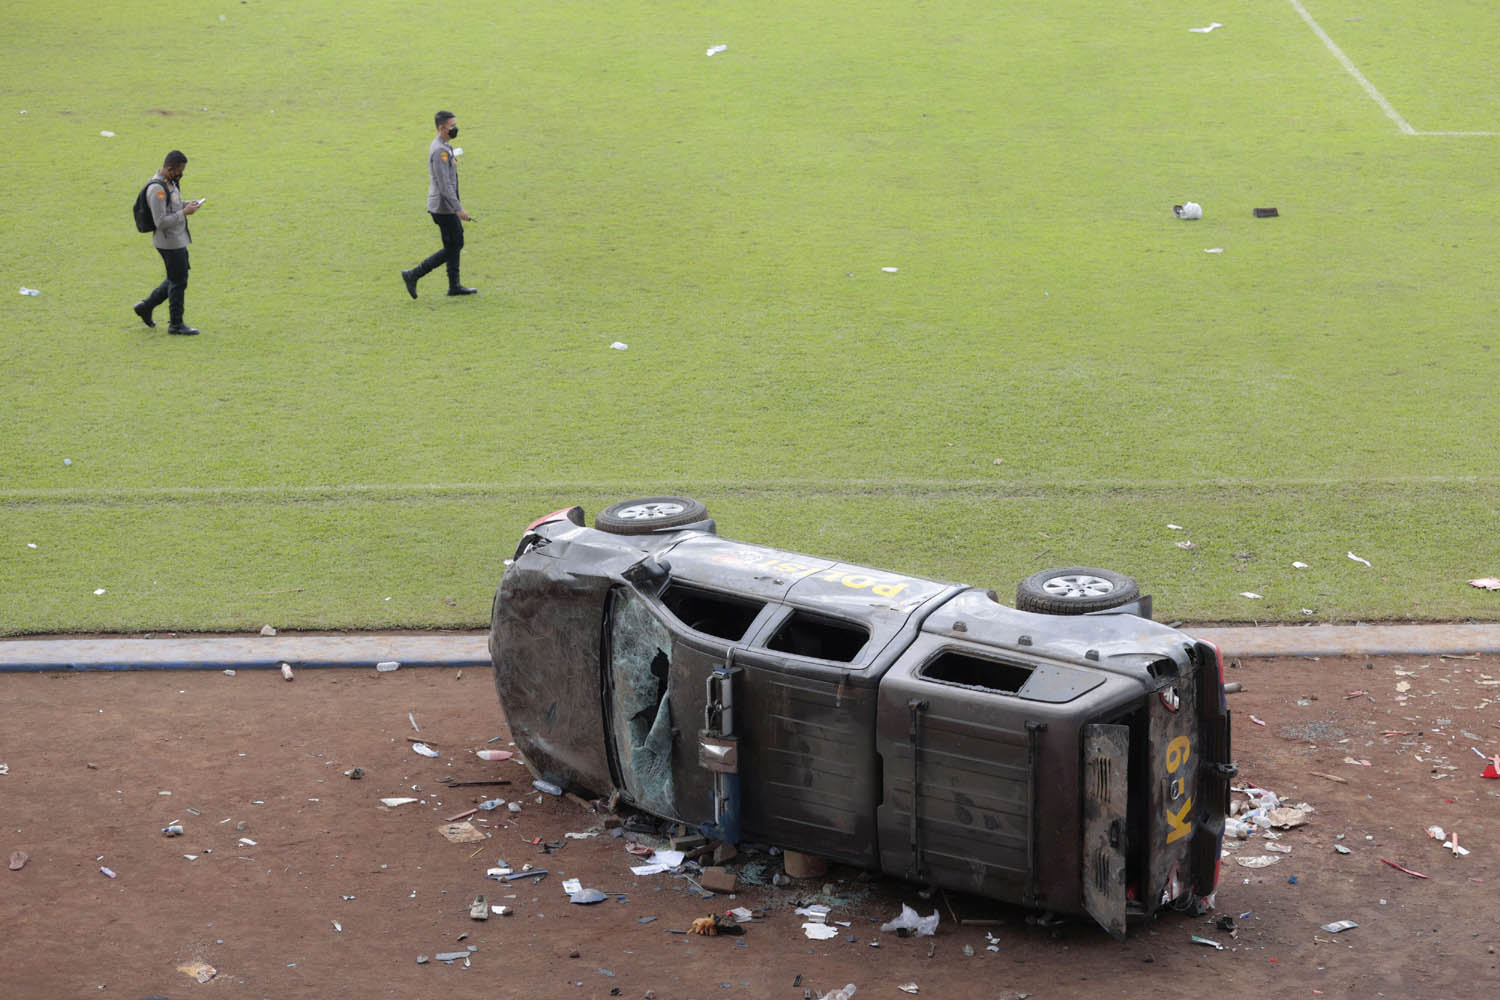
173,291
453,243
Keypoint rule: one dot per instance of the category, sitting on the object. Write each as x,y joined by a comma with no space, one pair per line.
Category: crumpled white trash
909,921
1188,210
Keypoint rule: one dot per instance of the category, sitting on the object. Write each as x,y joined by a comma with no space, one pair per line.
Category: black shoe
144,312
182,329
462,290
411,283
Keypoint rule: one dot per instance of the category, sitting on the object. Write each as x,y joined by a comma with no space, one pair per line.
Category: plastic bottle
843,994
546,786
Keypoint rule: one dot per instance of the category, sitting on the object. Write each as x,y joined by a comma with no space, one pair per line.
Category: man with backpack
161,208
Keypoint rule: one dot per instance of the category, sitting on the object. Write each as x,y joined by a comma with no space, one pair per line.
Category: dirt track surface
92,756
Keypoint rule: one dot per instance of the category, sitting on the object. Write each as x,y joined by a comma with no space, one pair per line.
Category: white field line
1369,88
377,493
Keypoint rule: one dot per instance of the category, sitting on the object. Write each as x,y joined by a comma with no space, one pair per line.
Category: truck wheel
648,514
1076,590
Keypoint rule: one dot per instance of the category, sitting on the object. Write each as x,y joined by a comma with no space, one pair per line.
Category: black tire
648,514
1075,590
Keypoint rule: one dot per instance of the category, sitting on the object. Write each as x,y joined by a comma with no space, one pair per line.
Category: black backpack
145,222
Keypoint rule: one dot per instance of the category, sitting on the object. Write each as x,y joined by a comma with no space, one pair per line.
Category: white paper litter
715,49
1260,861
1358,559
100,592
1204,31
619,346
107,134
1298,565
424,750
1486,583
394,802
1214,250
909,920
1174,527
820,932
1251,595
1188,210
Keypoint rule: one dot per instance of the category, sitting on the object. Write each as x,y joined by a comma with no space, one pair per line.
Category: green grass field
1055,373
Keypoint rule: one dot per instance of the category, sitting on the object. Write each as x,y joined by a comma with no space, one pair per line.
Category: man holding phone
444,207
171,239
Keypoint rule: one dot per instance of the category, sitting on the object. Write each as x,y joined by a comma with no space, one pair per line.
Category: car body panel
874,718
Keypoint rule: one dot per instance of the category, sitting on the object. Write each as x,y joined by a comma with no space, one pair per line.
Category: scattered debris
461,833
200,971
1340,848
1265,213
1188,210
907,922
386,666
619,346
494,754
1210,942
424,750
716,49
717,879
1486,583
412,718
1357,559
18,860
1204,31
908,988
267,630
1250,594
172,830
354,773
546,786
479,909
1330,777
1298,564
1258,722
286,671
107,873
586,897
820,932
1259,861
1399,868
1338,926
394,802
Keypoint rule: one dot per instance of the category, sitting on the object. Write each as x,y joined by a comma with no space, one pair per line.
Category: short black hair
175,157
441,117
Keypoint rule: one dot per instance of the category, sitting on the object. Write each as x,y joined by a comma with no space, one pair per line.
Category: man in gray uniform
171,240
444,207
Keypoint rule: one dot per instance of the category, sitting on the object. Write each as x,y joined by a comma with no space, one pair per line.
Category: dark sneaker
462,290
410,281
144,312
182,329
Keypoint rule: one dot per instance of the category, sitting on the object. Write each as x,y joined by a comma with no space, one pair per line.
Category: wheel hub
1078,585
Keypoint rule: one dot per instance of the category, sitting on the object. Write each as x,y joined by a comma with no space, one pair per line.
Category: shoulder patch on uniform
160,193
444,154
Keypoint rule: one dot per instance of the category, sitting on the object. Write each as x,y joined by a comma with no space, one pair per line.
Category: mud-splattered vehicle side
1077,763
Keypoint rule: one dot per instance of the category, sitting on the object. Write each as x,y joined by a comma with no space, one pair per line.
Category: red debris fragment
1401,869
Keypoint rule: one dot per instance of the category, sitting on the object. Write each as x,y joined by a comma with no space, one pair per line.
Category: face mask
453,132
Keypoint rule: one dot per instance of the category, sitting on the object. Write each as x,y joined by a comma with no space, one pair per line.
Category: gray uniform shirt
171,222
442,188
